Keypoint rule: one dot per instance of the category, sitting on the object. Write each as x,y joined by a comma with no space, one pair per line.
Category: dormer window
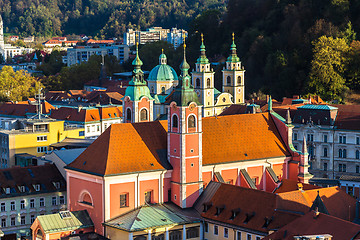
22,189
56,185
249,216
37,187
7,190
219,210
234,213
207,206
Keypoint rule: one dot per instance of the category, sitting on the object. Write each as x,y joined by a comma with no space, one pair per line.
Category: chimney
316,212
300,186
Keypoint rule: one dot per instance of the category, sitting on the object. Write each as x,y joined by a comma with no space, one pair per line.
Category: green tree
17,86
327,75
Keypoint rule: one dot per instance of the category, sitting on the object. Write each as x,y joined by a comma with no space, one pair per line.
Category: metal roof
317,107
151,216
69,155
56,223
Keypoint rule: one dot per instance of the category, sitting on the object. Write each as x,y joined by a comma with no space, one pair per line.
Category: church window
162,90
239,80
128,114
197,82
191,122
208,82
228,80
143,115
175,121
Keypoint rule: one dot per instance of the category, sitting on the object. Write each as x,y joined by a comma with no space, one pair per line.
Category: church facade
139,163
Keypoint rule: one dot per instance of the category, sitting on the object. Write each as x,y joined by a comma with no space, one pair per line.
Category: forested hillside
102,18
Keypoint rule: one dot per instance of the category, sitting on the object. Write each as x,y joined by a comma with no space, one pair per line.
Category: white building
79,54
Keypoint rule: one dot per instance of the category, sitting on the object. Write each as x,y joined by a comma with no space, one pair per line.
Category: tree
16,86
328,68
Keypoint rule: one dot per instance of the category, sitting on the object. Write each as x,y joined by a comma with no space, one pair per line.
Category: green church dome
162,72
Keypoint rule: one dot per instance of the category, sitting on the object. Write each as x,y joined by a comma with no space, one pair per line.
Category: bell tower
203,81
184,141
137,102
233,76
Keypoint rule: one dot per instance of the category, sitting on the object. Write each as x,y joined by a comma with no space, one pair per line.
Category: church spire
202,59
138,75
233,56
184,67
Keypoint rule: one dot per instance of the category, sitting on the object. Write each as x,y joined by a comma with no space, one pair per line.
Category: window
325,138
53,201
32,203
192,232
325,152
325,166
295,136
22,220
88,128
124,200
41,149
162,90
191,121
42,202
143,114
357,154
258,238
216,230
62,200
12,221
3,208
197,82
32,218
152,89
148,197
342,139
342,167
248,237
41,138
350,190
98,127
175,121
12,206
206,227
238,235
340,153
208,83
3,222
226,232
357,140
310,137
128,114
357,169
22,204
239,80
86,199
228,80
37,187
344,153
311,151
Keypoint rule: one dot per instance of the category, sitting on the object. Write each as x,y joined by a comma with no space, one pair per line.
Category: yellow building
25,139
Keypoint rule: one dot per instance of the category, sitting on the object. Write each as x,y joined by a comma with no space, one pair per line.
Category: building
27,192
333,138
154,34
79,54
174,160
13,38
95,120
24,140
61,224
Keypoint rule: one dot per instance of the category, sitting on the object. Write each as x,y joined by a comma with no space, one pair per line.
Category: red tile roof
21,109
253,205
337,202
310,224
288,185
348,117
225,139
81,115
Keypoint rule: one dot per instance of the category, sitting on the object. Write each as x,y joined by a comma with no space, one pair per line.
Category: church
143,161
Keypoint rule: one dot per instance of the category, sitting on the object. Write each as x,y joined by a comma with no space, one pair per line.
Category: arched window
85,198
344,153
228,80
325,152
239,80
197,82
208,82
128,114
162,90
175,121
340,153
192,122
357,154
143,114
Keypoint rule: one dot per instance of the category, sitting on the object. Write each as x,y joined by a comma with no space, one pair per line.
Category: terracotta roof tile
321,224
288,185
